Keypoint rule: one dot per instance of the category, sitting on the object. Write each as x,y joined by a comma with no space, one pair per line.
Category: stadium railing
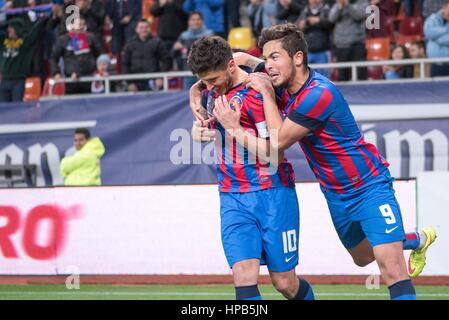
181,74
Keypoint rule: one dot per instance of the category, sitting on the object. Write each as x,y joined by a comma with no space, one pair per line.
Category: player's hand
228,118
195,102
202,133
260,82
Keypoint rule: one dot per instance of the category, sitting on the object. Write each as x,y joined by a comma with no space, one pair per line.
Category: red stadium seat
407,40
378,48
410,30
411,26
32,89
375,73
58,89
389,26
175,84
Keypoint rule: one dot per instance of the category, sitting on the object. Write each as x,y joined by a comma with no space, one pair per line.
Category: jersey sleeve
254,105
312,109
260,67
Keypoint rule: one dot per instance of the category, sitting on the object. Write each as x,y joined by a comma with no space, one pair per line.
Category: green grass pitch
199,292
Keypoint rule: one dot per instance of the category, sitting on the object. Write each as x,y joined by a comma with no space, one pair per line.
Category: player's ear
232,65
298,59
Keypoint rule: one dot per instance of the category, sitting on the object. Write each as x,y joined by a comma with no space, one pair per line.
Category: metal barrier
181,74
10,175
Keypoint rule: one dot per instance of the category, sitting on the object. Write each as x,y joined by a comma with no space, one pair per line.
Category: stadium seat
402,40
255,52
175,84
410,26
401,12
32,89
154,21
378,48
410,30
241,38
389,26
58,89
375,73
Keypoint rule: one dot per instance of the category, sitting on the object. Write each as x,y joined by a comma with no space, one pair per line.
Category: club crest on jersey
236,102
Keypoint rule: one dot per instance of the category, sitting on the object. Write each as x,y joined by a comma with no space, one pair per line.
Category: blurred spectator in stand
387,9
181,47
83,167
59,17
315,24
409,6
431,6
398,71
232,14
289,10
436,32
103,63
172,21
94,13
123,14
261,14
41,52
145,54
212,11
17,47
416,50
79,50
349,17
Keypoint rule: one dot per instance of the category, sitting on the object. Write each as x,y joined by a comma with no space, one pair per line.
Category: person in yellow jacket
83,167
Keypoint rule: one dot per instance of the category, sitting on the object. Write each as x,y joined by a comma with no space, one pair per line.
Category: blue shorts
261,225
370,212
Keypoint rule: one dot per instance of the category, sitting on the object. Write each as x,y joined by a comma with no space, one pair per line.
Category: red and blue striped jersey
237,169
335,149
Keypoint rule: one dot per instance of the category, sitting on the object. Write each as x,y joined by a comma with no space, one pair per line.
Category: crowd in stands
42,38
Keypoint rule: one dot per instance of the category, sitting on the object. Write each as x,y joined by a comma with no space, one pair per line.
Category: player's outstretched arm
244,59
261,83
283,134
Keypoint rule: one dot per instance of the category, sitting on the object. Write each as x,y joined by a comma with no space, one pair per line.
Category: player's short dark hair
211,53
291,37
196,13
445,3
83,131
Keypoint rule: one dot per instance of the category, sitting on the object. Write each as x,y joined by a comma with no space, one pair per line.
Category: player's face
79,140
278,64
219,81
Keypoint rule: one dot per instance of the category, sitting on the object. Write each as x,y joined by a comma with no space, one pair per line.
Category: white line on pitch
93,293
